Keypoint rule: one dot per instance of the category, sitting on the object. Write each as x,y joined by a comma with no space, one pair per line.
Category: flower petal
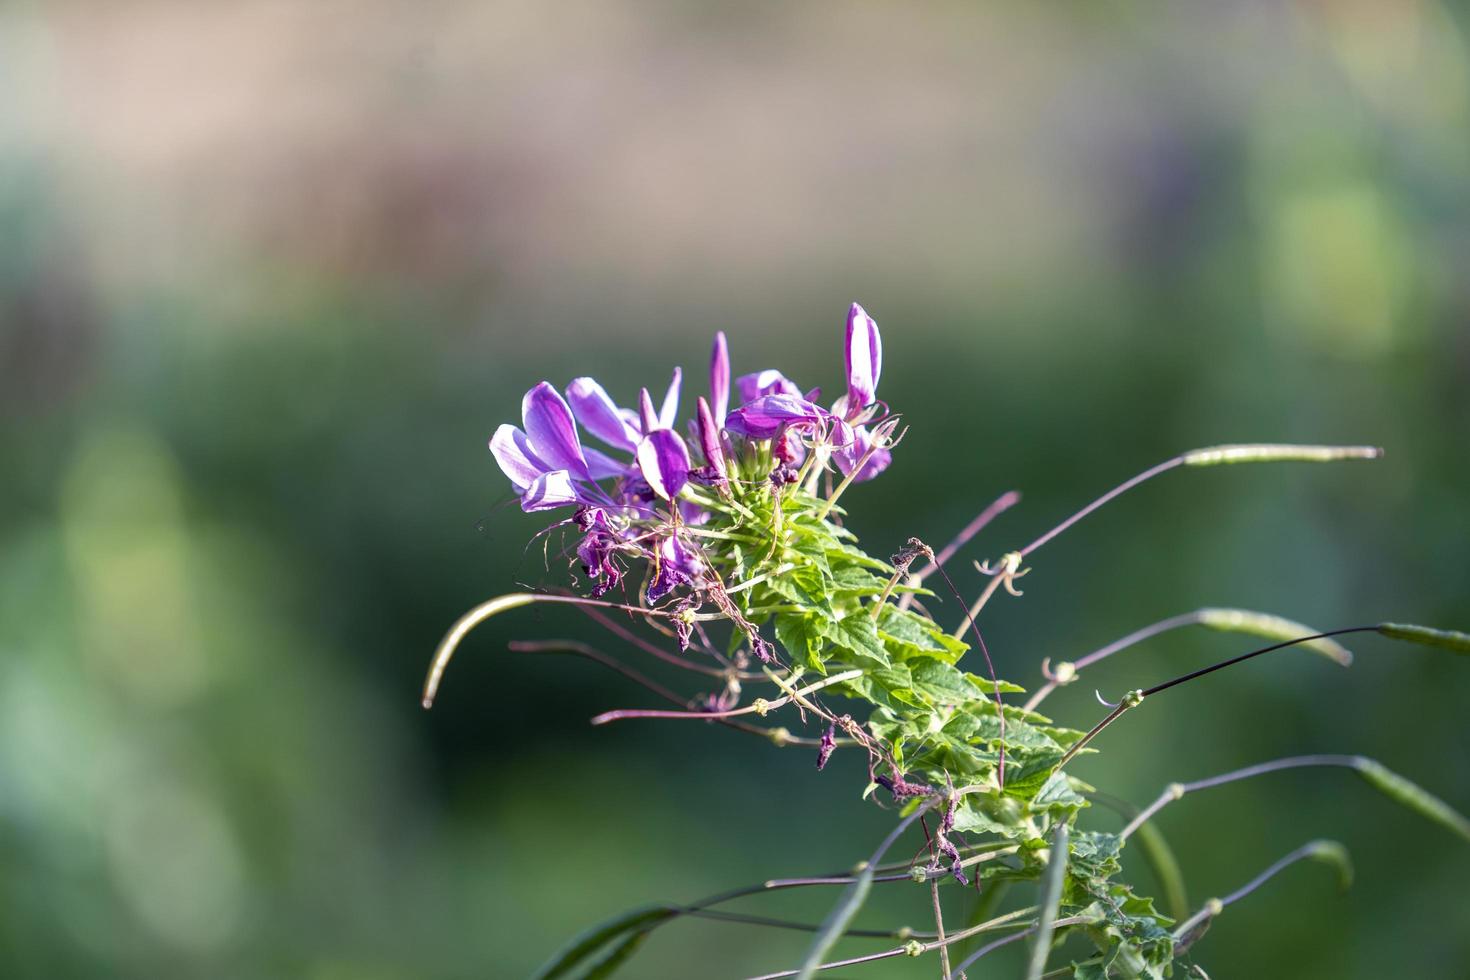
552,431
766,415
599,415
719,378
850,457
514,455
600,465
669,410
864,358
646,415
664,461
554,489
709,439
767,382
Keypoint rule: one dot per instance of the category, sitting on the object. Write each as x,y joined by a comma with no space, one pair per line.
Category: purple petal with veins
669,410
551,430
849,458
600,416
514,455
719,379
763,417
864,358
664,462
600,466
647,417
554,489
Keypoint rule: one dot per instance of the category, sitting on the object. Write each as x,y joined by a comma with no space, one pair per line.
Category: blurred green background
271,272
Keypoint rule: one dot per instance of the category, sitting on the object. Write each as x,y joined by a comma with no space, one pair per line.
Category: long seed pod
1051,898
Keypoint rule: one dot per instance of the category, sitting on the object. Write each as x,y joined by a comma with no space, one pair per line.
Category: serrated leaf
801,635
857,635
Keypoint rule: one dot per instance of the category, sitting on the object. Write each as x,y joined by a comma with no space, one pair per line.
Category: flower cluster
637,500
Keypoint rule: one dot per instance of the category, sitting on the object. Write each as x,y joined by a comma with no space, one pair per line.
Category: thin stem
1134,698
887,591
758,579
1117,491
616,628
974,611
1137,636
759,707
1000,711
1214,456
999,922
1001,504
780,737
880,440
462,627
1157,688
1175,791
1194,927
1306,850
1130,701
774,923
1070,920
939,929
853,897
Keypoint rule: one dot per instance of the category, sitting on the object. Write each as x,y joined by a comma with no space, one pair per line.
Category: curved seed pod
461,629
631,928
1276,453
1448,639
1333,853
1413,796
1272,627
1051,898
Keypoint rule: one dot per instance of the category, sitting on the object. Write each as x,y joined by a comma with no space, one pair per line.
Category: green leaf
1026,780
942,683
856,580
1058,793
801,635
857,635
919,636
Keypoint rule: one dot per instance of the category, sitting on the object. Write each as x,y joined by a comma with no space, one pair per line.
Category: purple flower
719,379
766,415
664,461
669,410
547,463
864,361
709,441
848,458
767,382
600,416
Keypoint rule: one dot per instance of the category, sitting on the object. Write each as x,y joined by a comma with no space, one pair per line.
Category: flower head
634,500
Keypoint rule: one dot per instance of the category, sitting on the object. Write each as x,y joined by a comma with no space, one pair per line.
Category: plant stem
1001,504
760,707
